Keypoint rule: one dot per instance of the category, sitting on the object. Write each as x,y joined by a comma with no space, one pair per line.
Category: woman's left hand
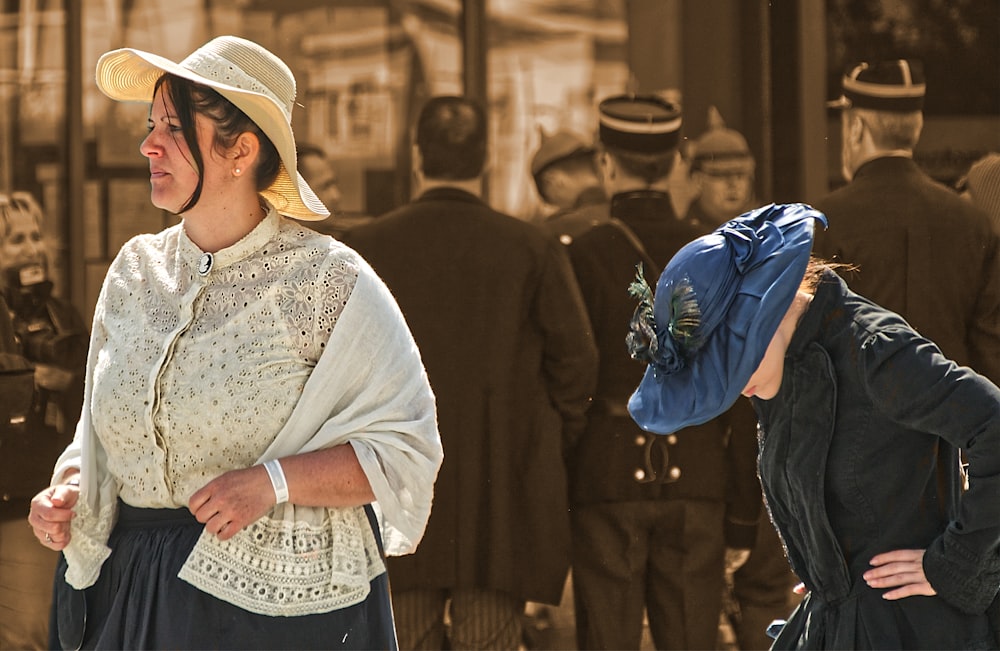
233,500
902,569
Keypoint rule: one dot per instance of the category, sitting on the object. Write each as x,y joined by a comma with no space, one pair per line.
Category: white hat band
633,126
884,90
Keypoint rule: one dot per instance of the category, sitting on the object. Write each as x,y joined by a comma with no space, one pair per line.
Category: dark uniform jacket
504,336
860,456
590,209
615,460
922,252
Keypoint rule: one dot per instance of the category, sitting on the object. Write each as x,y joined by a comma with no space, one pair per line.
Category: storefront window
549,64
363,68
32,114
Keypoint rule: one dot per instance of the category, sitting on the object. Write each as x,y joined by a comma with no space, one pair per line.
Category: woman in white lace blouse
257,422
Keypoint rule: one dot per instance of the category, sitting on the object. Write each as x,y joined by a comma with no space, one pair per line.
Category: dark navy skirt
139,603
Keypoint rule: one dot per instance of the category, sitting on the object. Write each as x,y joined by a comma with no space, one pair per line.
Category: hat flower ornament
716,307
666,349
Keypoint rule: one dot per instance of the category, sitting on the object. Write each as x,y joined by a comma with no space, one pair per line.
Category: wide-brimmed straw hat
716,308
249,76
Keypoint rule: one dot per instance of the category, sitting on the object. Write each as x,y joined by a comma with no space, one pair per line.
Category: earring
237,171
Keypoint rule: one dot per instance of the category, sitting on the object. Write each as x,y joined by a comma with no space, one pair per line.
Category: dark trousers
666,557
429,619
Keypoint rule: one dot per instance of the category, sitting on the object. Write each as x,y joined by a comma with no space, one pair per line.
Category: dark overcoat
922,252
503,333
860,456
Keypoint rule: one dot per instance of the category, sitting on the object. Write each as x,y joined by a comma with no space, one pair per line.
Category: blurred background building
365,66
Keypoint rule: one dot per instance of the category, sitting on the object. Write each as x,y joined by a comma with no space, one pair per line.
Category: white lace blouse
204,363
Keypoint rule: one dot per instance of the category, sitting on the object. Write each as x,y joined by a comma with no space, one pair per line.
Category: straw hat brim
129,75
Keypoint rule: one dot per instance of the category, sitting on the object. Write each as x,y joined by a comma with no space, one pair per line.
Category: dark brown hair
649,167
189,99
816,268
451,136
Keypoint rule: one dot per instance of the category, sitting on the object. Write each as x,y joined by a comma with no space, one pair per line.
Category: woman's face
173,174
23,244
766,380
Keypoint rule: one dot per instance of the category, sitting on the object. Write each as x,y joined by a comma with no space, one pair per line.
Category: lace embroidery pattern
292,566
89,532
198,374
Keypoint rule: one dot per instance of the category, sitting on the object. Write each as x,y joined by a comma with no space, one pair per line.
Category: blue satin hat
717,305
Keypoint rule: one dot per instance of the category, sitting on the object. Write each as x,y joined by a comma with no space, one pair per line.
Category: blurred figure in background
566,175
52,336
982,186
653,517
921,251
722,171
317,169
504,336
319,172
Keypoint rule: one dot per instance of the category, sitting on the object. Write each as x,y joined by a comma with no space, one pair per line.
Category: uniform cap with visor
643,124
897,86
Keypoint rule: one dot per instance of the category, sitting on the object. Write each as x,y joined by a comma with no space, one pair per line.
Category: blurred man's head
563,168
722,169
317,169
882,106
639,135
450,139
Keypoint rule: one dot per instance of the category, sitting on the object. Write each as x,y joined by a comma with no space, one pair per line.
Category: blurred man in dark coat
505,338
653,516
920,250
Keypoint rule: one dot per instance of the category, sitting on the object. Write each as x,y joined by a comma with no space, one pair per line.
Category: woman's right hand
51,513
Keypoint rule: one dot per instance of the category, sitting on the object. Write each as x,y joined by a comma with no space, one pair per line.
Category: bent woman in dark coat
862,425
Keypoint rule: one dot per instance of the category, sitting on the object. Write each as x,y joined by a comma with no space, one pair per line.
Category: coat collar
830,289
639,205
449,194
891,165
